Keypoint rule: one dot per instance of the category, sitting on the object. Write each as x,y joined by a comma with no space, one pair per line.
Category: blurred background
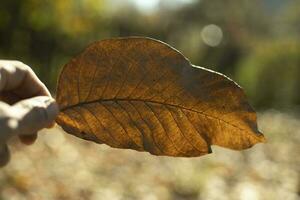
255,42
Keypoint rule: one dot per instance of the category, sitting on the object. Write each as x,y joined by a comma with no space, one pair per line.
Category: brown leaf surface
140,93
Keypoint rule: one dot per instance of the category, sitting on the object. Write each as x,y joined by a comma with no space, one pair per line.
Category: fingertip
38,113
52,112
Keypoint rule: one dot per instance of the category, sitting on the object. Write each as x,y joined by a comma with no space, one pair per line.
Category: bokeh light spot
212,35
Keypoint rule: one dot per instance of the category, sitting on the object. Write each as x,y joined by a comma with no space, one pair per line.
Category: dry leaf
140,93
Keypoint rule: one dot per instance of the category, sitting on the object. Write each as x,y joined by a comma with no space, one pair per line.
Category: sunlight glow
146,4
152,5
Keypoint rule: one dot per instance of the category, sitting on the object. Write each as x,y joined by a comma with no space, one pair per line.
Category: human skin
26,105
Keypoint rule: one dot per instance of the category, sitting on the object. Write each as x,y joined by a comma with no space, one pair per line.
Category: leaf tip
262,138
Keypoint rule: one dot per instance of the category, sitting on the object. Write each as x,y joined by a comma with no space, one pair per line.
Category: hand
26,105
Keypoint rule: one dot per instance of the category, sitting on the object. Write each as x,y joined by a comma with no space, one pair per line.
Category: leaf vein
179,151
181,132
153,139
112,114
109,133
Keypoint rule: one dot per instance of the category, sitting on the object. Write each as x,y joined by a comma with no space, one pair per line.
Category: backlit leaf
140,93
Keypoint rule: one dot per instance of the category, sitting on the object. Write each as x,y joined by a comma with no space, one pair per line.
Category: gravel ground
60,166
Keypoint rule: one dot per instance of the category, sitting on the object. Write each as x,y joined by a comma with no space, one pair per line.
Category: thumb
34,114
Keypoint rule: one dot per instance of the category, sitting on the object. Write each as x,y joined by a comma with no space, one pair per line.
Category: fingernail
48,100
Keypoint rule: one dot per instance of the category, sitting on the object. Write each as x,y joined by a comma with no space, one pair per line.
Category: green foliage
271,73
43,34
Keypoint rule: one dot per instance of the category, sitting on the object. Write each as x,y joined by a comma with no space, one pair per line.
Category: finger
28,139
8,122
19,78
4,155
35,114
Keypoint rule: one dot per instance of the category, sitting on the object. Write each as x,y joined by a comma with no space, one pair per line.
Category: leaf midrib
154,102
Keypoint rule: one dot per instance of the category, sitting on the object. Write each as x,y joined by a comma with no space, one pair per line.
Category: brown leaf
140,93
